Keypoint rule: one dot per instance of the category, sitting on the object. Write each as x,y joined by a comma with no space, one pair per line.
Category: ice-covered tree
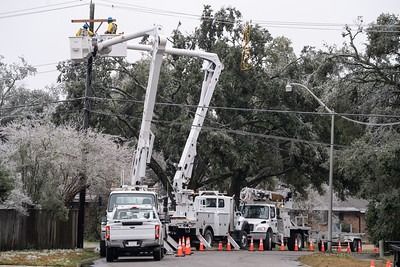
49,161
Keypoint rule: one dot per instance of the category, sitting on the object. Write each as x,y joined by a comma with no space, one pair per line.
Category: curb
89,260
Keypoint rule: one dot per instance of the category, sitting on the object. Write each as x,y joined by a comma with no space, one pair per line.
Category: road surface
213,259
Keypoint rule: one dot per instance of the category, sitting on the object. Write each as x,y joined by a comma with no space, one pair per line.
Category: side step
201,238
171,242
170,250
233,242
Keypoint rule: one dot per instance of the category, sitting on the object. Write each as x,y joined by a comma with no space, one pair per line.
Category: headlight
262,228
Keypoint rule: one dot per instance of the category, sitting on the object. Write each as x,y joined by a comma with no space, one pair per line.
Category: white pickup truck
134,230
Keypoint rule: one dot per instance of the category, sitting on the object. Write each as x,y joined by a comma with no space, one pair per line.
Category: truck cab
262,222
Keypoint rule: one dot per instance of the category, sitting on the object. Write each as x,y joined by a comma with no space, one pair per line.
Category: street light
288,88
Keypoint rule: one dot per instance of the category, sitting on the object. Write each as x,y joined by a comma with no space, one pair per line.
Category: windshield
256,212
128,214
117,199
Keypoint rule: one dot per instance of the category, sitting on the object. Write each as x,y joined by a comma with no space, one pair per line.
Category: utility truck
268,216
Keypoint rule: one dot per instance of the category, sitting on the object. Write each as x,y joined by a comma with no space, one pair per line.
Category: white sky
43,38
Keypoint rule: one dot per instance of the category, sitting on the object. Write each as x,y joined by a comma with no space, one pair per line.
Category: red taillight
157,231
107,232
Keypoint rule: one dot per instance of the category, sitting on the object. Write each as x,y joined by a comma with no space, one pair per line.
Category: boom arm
185,166
211,75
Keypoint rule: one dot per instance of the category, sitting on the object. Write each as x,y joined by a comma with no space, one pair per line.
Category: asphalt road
213,259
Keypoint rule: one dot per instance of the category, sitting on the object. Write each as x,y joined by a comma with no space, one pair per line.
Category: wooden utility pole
86,117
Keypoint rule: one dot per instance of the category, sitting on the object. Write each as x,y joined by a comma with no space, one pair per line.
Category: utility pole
86,117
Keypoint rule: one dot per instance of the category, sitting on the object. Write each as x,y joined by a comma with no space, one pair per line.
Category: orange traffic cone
261,246
282,246
228,246
372,263
322,246
179,252
388,264
201,247
296,246
188,250
359,249
251,248
220,246
339,249
348,250
311,247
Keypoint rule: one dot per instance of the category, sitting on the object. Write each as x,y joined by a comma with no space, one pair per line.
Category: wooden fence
38,230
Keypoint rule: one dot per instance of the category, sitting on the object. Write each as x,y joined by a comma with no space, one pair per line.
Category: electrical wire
239,132
38,7
40,11
251,109
273,24
42,104
342,115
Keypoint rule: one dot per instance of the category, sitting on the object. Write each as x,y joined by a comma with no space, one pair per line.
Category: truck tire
354,245
268,241
292,240
242,239
208,236
157,254
109,254
102,248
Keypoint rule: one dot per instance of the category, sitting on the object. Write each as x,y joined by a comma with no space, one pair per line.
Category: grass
337,260
57,257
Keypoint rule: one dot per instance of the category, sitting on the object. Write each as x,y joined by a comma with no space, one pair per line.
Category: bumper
257,235
134,245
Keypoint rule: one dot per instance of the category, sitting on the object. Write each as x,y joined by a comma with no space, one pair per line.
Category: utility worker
84,31
112,27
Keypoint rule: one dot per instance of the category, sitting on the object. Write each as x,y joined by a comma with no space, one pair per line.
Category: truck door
273,217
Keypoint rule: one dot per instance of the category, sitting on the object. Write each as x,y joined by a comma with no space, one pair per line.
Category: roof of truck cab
133,192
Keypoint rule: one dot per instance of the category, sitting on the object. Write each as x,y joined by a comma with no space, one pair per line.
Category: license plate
132,244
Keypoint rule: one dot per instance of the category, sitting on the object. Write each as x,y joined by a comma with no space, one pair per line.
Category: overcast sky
42,38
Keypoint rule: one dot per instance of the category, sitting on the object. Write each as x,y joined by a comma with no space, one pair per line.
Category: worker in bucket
112,27
84,31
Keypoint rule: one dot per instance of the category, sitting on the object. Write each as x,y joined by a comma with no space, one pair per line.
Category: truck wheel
116,254
268,241
157,254
354,245
243,240
109,254
102,248
299,238
292,240
208,236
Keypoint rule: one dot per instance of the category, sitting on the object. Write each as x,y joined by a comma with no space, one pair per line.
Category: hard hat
85,26
110,19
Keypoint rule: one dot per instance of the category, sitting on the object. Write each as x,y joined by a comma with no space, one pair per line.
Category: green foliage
6,184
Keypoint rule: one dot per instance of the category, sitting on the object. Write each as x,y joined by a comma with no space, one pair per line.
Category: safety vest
112,28
84,32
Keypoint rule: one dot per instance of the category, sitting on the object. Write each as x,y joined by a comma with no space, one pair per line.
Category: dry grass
336,260
46,257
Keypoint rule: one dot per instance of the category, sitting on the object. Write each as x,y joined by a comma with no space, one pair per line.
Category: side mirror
165,219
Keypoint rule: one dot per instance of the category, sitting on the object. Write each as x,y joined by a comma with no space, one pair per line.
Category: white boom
185,166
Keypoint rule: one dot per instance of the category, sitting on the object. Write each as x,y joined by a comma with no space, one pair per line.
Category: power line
38,7
253,109
42,104
40,11
239,132
343,115
272,24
